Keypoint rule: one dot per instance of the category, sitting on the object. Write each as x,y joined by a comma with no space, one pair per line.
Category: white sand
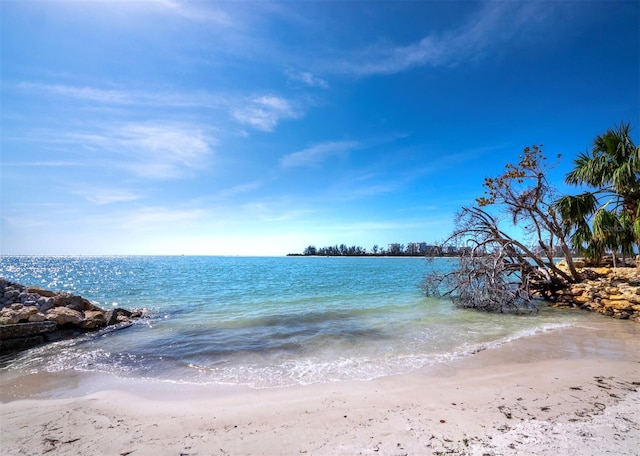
569,392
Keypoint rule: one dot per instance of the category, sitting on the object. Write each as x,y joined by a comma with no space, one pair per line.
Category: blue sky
224,128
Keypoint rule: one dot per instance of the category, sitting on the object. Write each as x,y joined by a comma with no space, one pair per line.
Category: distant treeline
411,249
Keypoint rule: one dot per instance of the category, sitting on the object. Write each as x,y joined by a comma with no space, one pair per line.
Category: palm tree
612,170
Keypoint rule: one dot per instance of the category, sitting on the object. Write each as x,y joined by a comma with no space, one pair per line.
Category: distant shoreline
371,255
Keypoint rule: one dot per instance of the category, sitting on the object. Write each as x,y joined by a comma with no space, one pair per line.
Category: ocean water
264,321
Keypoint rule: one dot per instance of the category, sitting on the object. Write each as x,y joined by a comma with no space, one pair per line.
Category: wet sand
570,391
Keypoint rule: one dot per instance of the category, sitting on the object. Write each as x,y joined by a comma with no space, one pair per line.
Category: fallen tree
496,271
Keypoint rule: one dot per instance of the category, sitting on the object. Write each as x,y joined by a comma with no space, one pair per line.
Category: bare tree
495,270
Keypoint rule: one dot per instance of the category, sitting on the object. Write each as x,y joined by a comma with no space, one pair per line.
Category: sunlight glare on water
263,321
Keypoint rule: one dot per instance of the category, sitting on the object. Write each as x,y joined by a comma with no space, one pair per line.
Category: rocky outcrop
21,336
30,316
613,292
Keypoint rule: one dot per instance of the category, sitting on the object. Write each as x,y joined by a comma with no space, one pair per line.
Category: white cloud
265,112
199,11
41,164
239,189
308,78
109,96
103,196
318,153
129,97
152,150
262,112
495,24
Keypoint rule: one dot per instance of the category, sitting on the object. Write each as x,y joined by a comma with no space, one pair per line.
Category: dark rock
26,329
45,304
118,315
23,343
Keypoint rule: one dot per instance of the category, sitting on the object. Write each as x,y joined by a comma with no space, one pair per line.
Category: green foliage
612,207
572,208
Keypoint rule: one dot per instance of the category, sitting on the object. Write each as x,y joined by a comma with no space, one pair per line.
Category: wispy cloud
126,96
199,11
264,112
307,78
104,196
240,189
315,155
495,24
41,164
151,150
86,93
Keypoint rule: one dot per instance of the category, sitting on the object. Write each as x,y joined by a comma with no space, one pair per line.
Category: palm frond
581,237
576,208
578,175
624,178
605,223
595,250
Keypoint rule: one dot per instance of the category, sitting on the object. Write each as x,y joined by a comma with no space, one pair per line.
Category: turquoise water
264,321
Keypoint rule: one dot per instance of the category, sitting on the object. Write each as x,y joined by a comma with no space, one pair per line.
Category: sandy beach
569,391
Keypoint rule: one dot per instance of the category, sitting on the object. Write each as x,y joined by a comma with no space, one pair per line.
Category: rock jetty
31,316
614,292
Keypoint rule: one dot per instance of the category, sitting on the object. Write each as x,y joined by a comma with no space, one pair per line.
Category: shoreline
574,389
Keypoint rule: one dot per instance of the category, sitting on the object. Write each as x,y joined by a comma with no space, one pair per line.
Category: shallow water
264,321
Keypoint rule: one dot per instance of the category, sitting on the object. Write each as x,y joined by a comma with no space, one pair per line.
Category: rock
11,294
37,317
118,315
41,292
26,329
21,343
16,313
64,315
72,302
93,319
45,304
24,308
617,297
611,291
617,304
25,335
